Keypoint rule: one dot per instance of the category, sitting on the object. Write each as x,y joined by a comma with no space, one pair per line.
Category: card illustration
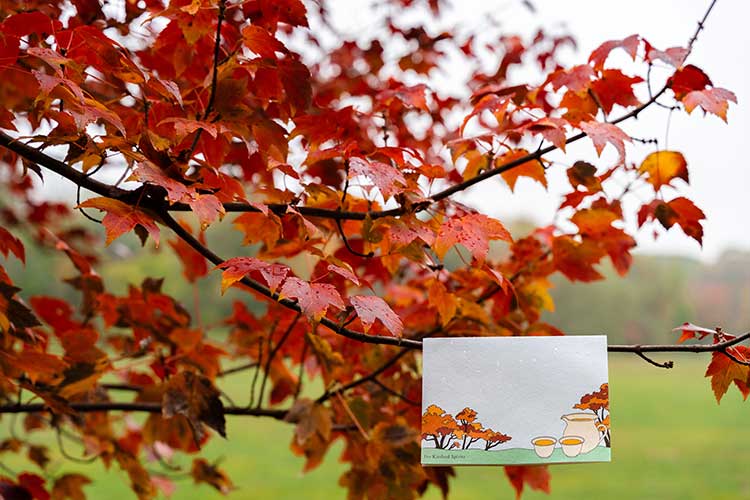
515,400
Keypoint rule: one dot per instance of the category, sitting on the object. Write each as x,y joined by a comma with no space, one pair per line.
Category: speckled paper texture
515,400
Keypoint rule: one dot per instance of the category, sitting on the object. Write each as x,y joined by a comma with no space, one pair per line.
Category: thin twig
666,364
367,378
301,369
123,387
214,78
395,393
257,370
237,369
701,24
348,246
353,417
273,353
64,453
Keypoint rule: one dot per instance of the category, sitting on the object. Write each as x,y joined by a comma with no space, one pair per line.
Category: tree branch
368,378
217,53
338,215
139,407
44,160
79,178
390,391
237,369
272,355
214,78
720,346
289,304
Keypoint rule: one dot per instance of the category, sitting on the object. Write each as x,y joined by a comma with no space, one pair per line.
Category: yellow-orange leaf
662,167
531,168
576,259
443,301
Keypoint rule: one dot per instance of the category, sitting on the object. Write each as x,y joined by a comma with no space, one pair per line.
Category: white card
515,400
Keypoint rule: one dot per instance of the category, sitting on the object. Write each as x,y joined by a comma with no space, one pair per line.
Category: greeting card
515,400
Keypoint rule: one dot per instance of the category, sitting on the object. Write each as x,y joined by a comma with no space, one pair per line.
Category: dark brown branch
42,159
237,369
66,171
217,53
123,387
290,304
535,155
395,393
720,346
701,24
79,178
366,378
138,407
341,215
214,77
348,246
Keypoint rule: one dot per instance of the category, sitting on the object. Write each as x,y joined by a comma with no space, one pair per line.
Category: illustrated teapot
585,425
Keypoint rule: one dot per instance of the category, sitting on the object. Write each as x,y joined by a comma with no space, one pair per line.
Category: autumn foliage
172,119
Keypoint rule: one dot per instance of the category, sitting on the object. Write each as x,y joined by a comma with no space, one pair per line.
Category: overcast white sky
717,160
716,154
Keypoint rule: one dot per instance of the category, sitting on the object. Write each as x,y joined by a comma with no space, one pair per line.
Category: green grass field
670,441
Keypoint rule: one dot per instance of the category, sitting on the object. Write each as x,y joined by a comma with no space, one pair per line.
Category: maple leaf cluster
347,154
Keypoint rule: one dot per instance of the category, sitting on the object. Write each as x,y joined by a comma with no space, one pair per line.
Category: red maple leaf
313,298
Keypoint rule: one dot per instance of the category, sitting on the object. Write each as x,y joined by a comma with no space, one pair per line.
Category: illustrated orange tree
173,118
598,402
470,430
493,439
441,428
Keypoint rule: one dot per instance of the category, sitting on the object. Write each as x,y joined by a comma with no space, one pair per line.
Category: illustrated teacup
571,445
544,446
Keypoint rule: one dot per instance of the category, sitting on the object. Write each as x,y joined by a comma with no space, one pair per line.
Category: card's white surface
520,386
